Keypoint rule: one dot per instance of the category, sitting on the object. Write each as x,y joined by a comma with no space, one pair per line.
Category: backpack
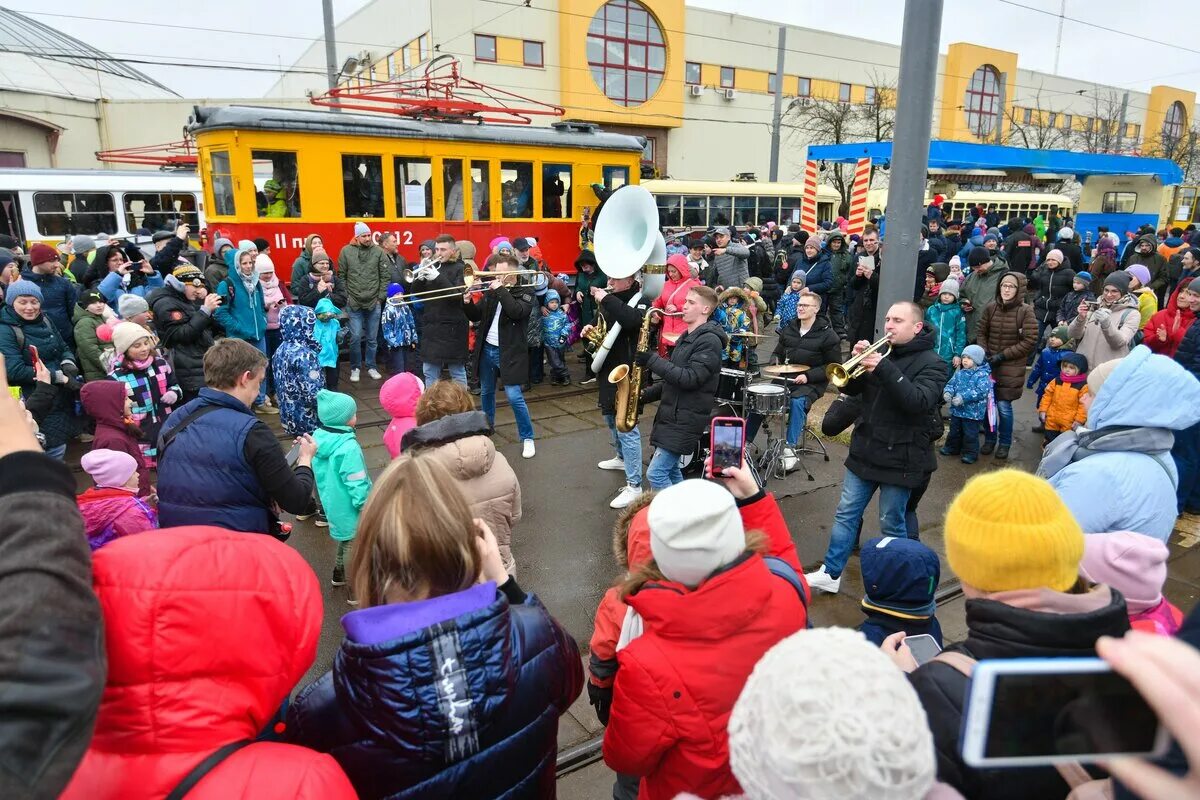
1138,337
782,569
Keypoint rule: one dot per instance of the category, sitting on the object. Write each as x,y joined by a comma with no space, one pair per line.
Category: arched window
1174,124
982,101
626,52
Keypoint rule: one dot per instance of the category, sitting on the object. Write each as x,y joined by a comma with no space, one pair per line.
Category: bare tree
1101,131
1184,150
1036,128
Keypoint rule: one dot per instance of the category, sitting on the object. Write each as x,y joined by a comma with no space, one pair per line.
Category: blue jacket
41,333
818,275
112,287
296,368
58,302
1045,369
243,315
951,326
975,385
342,479
556,327
398,324
326,332
1137,488
1188,353
203,477
457,696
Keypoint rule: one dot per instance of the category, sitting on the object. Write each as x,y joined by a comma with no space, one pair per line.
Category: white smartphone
1028,712
923,647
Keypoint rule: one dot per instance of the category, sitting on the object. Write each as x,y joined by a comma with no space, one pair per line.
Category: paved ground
563,543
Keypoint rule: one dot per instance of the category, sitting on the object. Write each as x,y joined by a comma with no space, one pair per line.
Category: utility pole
1121,122
910,152
331,62
1062,13
1000,110
778,115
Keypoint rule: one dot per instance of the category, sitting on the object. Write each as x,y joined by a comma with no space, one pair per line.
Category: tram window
221,176
668,210
720,210
362,185
768,210
556,191
695,211
615,177
790,210
1118,203
1186,204
452,189
516,189
71,213
743,211
160,212
276,183
481,183
414,187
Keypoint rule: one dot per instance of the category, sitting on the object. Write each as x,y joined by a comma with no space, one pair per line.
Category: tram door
10,217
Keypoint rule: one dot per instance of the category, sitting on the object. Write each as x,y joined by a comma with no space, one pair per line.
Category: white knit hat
126,334
827,714
695,529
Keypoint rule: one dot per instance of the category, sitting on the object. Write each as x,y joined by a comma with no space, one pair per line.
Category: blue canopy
968,155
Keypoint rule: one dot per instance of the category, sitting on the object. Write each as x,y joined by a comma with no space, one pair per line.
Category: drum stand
772,460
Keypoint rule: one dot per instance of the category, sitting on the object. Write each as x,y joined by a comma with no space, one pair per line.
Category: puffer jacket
184,329
456,696
1051,286
817,348
1009,330
342,479
1021,624
53,352
398,396
207,632
462,442
687,388
631,547
1131,469
87,344
974,386
366,272
950,326
58,302
1175,320
243,314
1046,368
818,274
110,513
1107,333
672,294
670,706
296,367
1062,403
892,442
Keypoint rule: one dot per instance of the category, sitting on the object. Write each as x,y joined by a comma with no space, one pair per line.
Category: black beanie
1119,279
978,256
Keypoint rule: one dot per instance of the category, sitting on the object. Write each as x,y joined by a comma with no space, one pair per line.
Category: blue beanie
6,257
975,353
395,289
22,288
1084,276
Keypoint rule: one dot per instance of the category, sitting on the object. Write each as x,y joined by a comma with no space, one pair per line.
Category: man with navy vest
218,464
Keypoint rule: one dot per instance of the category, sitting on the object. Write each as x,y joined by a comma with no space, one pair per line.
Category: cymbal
780,370
671,338
749,335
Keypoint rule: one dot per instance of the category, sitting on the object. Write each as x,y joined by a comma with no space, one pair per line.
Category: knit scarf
1074,446
1074,379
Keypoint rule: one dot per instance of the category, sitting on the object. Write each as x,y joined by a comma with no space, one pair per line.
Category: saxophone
629,381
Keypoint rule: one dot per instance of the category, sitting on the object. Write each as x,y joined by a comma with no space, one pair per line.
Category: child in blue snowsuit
296,368
556,328
1045,369
327,333
399,331
967,393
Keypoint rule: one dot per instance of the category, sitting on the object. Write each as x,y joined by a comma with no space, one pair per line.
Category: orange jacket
1061,404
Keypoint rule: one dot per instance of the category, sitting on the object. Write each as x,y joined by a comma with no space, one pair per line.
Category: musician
687,388
500,343
444,323
808,339
891,449
613,305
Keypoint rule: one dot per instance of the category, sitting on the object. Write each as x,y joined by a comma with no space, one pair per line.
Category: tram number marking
297,242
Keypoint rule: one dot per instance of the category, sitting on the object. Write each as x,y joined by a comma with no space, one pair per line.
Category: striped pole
858,196
808,207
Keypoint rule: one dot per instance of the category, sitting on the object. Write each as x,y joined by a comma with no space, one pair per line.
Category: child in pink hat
399,396
1136,566
111,509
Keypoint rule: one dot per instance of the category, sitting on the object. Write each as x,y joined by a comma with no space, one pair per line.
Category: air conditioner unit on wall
730,94
696,89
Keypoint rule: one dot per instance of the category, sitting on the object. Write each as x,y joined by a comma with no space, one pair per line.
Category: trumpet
471,278
842,374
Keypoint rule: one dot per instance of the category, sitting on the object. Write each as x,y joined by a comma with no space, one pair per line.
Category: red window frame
626,41
981,99
479,36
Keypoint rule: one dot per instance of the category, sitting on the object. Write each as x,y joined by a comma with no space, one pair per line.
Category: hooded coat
674,292
687,389
104,401
1009,330
112,512
979,289
1155,261
974,386
325,332
631,547
398,396
296,368
184,329
1107,333
303,263
18,361
87,344
950,329
1175,320
584,283
1131,469
1046,368
343,482
207,632
242,313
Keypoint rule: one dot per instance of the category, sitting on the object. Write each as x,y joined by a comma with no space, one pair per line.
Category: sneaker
528,451
588,381
821,581
321,521
339,577
1001,452
987,448
614,463
354,376
946,451
626,496
374,373
351,601
1038,429
474,390
86,438
263,408
790,460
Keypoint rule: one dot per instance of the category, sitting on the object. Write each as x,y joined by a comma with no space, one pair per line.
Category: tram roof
969,155
288,120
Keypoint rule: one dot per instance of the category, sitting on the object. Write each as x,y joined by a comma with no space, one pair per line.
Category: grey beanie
950,286
1119,279
975,353
130,305
82,244
361,229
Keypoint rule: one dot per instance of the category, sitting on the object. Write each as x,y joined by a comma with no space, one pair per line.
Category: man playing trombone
444,325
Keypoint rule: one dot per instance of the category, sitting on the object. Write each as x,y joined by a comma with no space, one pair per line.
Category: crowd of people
157,642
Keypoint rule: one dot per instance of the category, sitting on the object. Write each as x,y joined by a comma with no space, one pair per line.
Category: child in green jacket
341,472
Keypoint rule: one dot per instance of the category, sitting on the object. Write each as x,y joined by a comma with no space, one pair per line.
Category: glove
1101,315
957,400
426,273
169,397
600,699
73,380
642,357
946,396
995,360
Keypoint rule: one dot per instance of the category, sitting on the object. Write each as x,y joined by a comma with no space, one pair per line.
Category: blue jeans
1005,413
59,452
489,368
628,447
433,371
1186,453
360,319
856,494
664,469
797,417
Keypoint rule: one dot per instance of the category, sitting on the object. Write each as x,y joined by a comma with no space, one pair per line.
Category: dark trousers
1050,436
331,378
537,369
274,339
1186,453
558,363
963,437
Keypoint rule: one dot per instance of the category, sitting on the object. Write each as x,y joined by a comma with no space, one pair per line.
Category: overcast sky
260,36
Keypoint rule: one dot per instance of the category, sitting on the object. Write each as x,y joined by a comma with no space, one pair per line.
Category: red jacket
610,615
673,293
678,681
1176,320
207,632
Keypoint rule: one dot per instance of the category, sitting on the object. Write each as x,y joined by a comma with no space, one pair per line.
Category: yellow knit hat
1010,530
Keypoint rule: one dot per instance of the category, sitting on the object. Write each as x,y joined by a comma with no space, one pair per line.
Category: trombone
842,374
471,277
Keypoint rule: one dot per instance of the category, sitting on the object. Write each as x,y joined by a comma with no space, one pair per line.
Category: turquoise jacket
242,314
951,329
342,479
326,332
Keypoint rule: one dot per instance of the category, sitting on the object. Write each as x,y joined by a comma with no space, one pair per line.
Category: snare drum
766,399
731,384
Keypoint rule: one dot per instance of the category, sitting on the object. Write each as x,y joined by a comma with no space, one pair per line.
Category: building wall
32,140
80,137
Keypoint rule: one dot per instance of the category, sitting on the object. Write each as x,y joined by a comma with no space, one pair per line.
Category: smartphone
727,443
923,646
33,355
1029,712
293,455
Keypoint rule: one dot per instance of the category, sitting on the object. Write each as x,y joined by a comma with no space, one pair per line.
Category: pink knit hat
109,468
1132,563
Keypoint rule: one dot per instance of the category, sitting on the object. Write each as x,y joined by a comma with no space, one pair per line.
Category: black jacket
186,331
687,389
167,259
997,630
615,309
818,347
304,290
1018,250
863,299
444,323
514,305
1072,255
893,442
1051,286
